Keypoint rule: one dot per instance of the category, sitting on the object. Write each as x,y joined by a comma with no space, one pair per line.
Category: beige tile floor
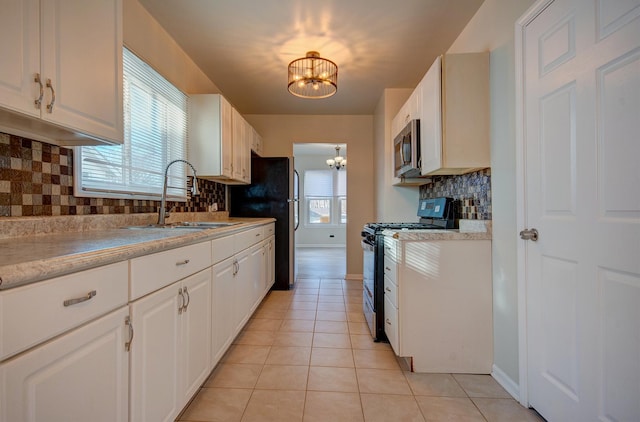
306,355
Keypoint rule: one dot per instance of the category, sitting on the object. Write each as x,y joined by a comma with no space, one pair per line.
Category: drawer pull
179,263
181,308
257,234
387,268
387,289
88,296
388,321
129,323
186,305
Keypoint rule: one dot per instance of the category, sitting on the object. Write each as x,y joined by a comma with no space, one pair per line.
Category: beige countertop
423,235
469,230
28,259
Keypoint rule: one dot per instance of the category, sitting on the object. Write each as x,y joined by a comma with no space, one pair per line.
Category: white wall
280,132
492,29
314,235
393,203
145,37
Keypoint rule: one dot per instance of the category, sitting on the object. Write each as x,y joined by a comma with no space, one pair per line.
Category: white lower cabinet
438,304
72,350
222,311
80,376
269,263
170,349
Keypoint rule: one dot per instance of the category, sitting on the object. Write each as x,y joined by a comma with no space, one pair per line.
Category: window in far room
325,196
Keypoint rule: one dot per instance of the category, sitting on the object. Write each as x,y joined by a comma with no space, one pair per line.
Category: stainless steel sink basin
189,225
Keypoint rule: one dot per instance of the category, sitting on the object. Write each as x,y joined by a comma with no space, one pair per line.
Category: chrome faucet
162,212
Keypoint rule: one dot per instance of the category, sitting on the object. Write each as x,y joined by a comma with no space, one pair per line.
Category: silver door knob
529,234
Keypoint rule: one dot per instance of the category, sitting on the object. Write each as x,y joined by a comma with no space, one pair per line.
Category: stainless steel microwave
406,151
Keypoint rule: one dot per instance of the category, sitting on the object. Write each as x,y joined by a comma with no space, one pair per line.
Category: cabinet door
243,288
270,263
196,333
257,275
20,23
81,376
391,325
223,316
431,120
226,137
81,50
154,356
238,144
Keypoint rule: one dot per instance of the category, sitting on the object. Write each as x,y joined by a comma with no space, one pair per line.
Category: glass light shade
330,162
313,76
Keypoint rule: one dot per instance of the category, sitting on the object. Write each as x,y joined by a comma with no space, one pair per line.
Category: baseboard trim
506,382
353,277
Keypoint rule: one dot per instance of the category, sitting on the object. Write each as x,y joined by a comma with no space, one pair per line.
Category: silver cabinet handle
181,307
53,96
38,101
529,234
179,263
127,321
388,321
88,296
186,305
387,289
387,268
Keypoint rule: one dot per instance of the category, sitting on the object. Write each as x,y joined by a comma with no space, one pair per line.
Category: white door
222,309
581,123
195,346
80,376
81,50
20,23
154,356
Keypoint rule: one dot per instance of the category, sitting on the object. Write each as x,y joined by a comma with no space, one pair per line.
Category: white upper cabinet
220,140
454,121
61,72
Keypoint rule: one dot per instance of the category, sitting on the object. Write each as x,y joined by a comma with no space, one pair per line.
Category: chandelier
338,161
313,76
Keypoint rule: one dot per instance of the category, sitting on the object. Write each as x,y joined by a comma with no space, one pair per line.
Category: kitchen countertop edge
38,269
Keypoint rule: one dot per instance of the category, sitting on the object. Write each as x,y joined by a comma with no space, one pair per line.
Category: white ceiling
318,149
244,46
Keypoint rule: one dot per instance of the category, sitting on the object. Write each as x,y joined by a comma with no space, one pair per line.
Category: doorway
322,208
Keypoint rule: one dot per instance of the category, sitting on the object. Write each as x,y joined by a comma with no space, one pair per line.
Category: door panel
581,123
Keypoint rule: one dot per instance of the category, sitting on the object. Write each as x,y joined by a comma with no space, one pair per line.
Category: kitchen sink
193,225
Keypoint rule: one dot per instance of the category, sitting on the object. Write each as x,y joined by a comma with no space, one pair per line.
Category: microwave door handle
402,151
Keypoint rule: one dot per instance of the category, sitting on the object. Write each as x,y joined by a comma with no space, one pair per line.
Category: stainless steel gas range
434,213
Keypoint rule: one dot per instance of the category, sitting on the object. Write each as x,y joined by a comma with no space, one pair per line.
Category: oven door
368,271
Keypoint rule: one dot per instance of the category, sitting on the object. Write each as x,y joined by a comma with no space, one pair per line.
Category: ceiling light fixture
338,161
313,76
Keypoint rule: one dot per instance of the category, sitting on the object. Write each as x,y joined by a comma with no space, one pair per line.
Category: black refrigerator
272,193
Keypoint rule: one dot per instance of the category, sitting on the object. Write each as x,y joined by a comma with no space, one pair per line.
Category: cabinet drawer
391,248
391,291
152,272
269,230
222,248
34,313
248,238
390,269
391,325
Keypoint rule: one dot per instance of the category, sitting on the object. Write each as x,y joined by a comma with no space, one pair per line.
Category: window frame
169,145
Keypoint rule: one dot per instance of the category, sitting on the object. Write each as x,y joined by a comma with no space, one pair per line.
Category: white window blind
155,133
318,183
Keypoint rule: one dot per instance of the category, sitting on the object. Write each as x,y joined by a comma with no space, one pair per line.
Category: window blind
155,133
318,183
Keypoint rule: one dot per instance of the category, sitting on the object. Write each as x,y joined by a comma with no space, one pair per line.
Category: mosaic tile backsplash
471,191
36,179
